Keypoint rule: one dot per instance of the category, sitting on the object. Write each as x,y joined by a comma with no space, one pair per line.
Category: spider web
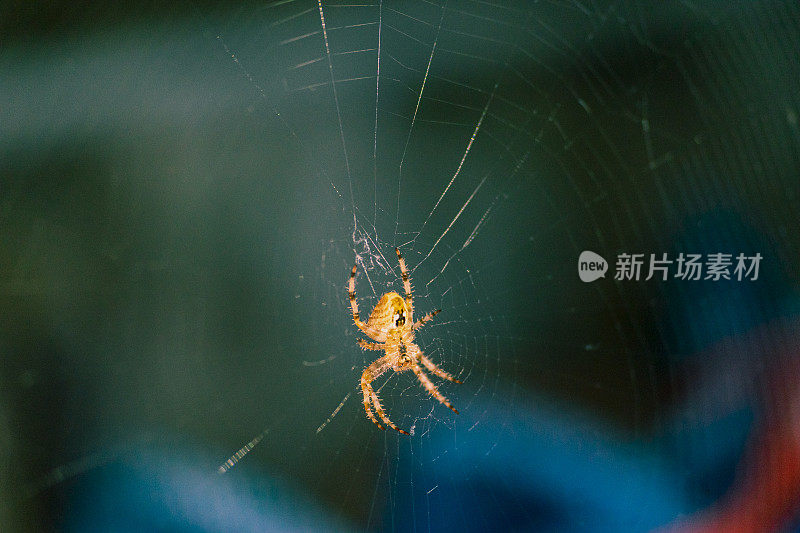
491,143
368,176
427,126
418,132
462,132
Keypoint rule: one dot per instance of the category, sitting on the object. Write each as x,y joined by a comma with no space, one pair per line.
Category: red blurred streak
765,496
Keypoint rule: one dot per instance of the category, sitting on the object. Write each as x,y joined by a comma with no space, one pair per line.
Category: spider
391,324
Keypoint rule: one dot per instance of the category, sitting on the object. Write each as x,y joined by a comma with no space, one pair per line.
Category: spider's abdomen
390,313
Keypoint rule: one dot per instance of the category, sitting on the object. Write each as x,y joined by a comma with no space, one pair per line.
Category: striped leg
367,406
371,373
406,281
435,369
427,318
431,388
378,409
369,330
370,345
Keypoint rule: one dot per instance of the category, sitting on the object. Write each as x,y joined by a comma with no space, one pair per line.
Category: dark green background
172,250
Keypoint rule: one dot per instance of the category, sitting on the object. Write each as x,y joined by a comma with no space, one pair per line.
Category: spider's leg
431,388
371,372
368,406
379,410
435,369
368,330
427,318
370,345
406,281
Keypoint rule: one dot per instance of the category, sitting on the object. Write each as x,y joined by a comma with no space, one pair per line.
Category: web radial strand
338,108
414,118
375,132
463,157
243,451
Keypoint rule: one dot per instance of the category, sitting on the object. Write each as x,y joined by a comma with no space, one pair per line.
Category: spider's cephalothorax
391,324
